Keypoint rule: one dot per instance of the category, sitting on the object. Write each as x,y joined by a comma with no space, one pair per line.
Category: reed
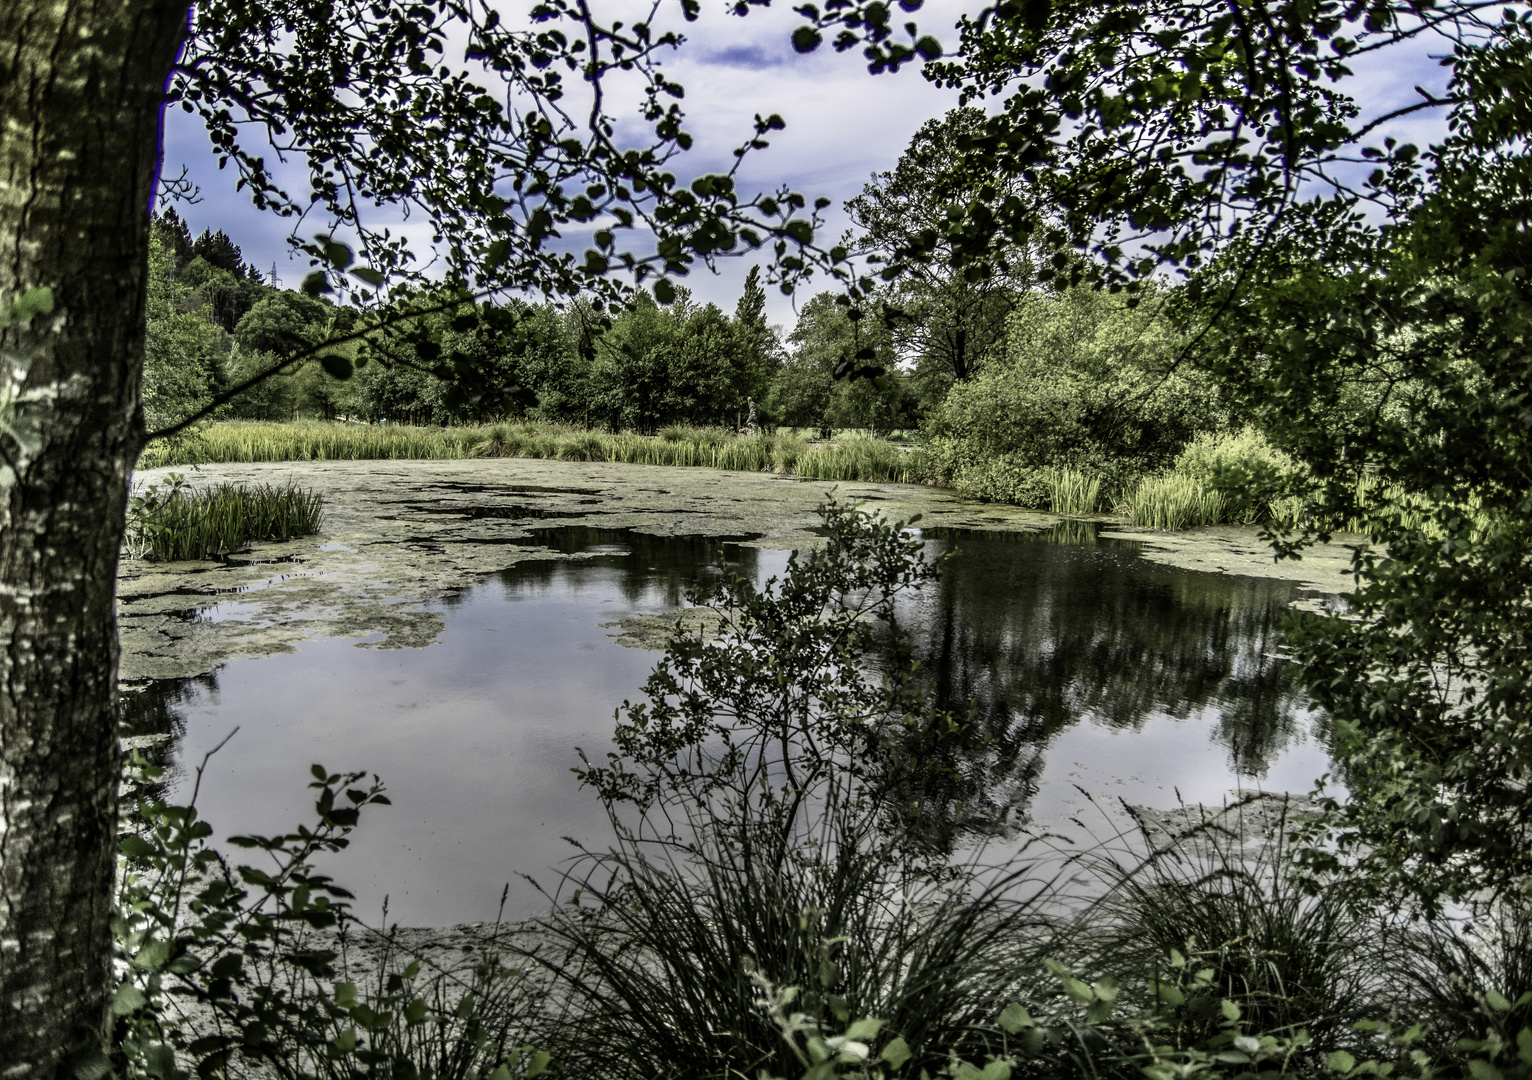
1175,502
850,459
180,523
1071,491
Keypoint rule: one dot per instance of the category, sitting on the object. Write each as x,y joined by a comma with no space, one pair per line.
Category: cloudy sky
842,126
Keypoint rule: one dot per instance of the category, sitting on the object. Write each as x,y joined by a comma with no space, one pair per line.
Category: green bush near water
180,523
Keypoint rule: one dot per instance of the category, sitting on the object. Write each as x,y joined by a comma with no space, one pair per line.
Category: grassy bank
849,457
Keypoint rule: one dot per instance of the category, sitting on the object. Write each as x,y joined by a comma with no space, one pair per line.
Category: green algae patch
401,537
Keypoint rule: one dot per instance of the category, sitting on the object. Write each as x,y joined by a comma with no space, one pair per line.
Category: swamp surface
461,627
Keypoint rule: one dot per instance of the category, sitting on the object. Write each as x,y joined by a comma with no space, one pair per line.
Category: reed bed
181,523
1175,502
857,458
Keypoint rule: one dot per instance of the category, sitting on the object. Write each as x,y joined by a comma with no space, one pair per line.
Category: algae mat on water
399,537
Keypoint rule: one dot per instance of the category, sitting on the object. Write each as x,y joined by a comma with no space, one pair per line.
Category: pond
1090,668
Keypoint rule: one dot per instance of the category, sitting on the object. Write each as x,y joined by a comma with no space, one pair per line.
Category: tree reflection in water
1036,632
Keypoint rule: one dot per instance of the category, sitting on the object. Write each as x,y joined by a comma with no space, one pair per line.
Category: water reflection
1031,634
1068,646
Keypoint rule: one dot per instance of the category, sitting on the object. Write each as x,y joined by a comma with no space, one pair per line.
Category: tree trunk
81,89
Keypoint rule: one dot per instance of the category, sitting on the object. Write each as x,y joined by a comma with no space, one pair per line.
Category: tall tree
79,151
759,350
944,318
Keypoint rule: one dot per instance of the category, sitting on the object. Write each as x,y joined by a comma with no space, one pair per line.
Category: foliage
1082,383
1396,377
943,319
180,523
773,825
860,458
180,347
261,968
832,342
1073,492
1174,502
1362,300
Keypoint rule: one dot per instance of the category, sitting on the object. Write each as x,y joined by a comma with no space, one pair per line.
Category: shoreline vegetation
1195,492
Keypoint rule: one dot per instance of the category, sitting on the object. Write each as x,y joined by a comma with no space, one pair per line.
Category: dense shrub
1083,381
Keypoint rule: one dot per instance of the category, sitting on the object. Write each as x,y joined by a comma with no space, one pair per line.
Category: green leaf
336,366
337,254
1341,1061
996,1070
1480,1069
864,1030
1496,1001
896,1053
806,39
539,1064
1524,1045
664,292
1229,1009
128,998
316,283
135,847
1013,1018
369,275
152,956
1076,990
36,301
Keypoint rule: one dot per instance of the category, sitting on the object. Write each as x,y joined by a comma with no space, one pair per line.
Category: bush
1082,383
250,970
773,828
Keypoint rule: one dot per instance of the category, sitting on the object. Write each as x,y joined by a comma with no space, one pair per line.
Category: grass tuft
180,523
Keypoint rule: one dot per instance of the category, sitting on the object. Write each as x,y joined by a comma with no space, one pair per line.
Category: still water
1090,668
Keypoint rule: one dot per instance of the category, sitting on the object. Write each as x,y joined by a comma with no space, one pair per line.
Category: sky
843,125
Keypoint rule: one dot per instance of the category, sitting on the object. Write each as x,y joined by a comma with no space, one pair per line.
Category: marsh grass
181,523
1174,502
664,975
1071,491
1219,895
851,458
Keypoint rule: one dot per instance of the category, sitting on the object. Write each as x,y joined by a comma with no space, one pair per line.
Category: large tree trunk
81,90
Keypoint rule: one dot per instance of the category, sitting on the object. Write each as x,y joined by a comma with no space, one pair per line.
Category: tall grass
1071,491
1175,502
852,459
667,976
180,523
1220,893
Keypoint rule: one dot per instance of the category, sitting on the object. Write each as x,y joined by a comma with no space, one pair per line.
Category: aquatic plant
1175,502
178,522
1071,491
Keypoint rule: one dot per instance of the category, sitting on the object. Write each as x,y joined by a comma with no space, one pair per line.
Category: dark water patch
507,489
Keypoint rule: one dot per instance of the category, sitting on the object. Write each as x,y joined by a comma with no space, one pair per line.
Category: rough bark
81,90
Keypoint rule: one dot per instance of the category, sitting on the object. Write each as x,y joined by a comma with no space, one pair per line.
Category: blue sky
842,125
